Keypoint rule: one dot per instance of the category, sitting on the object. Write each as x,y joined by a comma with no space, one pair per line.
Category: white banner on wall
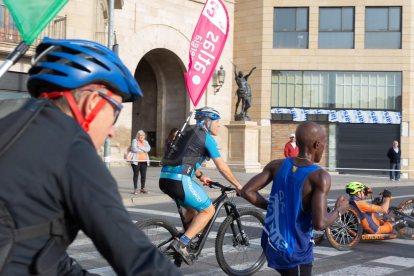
344,116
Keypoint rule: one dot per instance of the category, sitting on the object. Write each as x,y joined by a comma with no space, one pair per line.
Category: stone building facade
374,53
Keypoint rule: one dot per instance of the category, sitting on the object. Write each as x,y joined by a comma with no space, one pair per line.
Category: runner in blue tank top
297,203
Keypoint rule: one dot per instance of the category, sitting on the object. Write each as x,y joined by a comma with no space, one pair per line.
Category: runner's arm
248,75
321,183
258,182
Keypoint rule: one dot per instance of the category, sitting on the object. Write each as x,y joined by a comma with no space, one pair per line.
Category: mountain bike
346,232
237,244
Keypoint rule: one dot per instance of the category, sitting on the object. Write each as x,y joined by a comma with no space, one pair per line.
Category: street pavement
392,257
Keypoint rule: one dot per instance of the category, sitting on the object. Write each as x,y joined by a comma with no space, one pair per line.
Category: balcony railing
10,34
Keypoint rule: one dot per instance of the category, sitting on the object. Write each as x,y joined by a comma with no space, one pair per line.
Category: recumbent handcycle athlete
370,223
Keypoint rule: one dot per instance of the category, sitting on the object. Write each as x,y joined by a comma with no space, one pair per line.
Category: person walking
297,202
170,139
291,149
140,161
394,154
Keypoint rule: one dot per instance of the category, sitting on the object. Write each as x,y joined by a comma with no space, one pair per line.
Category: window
282,117
290,28
317,117
336,28
334,89
12,24
383,28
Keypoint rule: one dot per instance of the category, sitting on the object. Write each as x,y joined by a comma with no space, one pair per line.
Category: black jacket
395,158
53,172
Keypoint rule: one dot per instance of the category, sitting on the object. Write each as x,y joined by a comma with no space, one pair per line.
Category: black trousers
300,270
141,167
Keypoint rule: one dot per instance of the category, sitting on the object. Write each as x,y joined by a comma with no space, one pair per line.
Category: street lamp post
221,76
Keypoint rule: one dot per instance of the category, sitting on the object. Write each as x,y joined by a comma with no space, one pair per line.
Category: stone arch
160,66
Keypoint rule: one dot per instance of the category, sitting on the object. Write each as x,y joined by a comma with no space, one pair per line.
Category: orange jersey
370,223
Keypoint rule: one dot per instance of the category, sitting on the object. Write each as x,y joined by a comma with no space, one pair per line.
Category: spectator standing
170,139
140,161
291,149
394,154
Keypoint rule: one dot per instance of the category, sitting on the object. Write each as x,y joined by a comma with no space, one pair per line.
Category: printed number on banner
214,7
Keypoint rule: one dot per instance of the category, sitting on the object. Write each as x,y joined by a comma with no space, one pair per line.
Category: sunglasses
117,106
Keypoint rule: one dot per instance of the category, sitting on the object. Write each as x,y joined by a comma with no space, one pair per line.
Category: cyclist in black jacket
53,171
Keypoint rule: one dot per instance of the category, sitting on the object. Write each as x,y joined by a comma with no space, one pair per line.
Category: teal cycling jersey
207,148
176,181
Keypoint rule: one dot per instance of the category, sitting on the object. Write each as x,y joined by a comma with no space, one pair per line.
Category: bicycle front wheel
233,256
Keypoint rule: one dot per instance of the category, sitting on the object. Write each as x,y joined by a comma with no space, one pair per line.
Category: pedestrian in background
140,161
170,139
291,149
394,154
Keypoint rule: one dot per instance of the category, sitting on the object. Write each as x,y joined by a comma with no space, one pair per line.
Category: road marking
86,256
103,271
393,260
366,270
328,251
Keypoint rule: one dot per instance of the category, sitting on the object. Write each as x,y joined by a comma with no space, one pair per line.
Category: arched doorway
160,74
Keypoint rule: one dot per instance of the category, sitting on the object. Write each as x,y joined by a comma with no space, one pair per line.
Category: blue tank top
287,238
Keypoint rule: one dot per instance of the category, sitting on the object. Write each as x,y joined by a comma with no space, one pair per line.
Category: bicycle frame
229,206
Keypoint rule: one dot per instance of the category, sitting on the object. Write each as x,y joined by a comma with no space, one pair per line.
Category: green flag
32,16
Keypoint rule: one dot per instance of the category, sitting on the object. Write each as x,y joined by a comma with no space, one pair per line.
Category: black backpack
183,152
15,117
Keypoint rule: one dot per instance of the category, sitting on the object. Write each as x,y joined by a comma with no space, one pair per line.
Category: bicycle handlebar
223,188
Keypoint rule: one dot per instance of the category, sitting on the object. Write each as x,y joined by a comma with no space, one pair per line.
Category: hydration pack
183,151
15,117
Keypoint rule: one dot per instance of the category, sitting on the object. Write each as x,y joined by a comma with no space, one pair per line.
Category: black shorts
299,270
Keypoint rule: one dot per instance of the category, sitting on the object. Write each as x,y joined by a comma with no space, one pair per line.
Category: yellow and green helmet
354,187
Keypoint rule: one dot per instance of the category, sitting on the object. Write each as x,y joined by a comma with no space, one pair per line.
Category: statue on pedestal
244,94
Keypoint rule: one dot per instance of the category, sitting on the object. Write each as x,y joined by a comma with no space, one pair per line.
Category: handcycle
346,232
237,244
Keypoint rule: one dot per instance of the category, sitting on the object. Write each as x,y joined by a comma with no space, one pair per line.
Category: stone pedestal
244,146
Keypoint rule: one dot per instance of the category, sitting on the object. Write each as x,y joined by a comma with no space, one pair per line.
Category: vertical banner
207,43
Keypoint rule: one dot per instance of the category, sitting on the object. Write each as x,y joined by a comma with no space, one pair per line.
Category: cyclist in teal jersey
177,181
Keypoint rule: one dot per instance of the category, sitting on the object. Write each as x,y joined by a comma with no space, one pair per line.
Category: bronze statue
244,94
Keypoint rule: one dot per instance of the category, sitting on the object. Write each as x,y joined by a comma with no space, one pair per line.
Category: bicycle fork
232,206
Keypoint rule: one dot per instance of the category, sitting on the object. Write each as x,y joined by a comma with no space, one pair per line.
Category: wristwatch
201,174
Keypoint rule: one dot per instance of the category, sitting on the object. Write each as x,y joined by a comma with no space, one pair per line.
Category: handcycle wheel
346,233
407,207
234,257
319,236
159,231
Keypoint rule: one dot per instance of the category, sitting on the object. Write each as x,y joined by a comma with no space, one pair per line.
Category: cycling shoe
181,249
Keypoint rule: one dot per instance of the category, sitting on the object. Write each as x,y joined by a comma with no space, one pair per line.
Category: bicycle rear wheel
160,232
407,207
232,255
345,234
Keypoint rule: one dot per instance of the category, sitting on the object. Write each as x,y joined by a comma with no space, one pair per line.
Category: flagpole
14,57
180,134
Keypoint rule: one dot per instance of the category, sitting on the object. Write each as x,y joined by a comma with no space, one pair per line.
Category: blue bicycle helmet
62,64
206,113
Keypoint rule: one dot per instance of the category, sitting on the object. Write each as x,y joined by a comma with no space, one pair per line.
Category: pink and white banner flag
207,43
